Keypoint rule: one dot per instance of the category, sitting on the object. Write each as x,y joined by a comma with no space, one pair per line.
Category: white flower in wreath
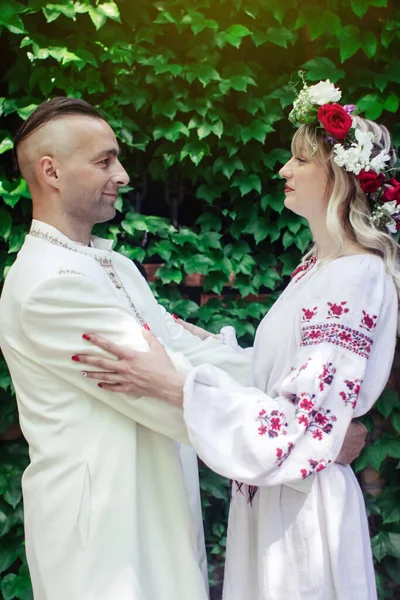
357,157
323,93
378,163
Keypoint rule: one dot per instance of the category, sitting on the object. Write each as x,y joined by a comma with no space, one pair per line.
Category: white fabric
107,515
332,331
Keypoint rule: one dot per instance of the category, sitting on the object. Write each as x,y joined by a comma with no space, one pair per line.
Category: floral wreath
353,149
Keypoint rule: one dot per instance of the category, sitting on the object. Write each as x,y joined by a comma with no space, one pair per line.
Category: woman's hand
203,334
135,373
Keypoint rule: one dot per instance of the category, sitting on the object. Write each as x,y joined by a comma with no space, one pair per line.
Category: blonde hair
349,209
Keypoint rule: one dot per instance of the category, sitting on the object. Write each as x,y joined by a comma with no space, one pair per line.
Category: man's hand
353,443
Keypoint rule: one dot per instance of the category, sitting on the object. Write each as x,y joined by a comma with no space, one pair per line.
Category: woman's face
306,189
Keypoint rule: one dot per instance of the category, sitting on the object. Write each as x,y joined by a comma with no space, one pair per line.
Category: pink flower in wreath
262,413
304,473
317,434
262,430
279,453
320,467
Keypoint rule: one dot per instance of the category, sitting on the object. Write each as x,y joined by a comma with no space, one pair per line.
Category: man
107,515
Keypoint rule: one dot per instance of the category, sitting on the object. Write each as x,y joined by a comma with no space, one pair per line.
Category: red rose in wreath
392,192
336,121
370,181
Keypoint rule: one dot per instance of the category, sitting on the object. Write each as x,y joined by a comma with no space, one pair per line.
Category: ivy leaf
236,82
247,183
168,108
391,509
233,36
320,68
280,36
275,201
171,131
53,11
5,223
257,130
17,585
204,73
384,544
360,7
391,104
9,17
371,105
228,165
169,275
387,402
350,41
6,145
369,44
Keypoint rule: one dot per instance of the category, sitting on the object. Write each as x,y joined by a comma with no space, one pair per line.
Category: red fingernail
86,336
100,385
175,317
146,327
76,358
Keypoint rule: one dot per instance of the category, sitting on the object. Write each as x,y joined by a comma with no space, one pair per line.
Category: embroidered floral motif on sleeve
296,372
309,313
318,422
335,311
368,322
326,377
339,335
281,456
351,396
274,424
315,465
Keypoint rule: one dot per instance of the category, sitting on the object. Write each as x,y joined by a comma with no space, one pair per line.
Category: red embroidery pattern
351,396
273,424
303,268
319,422
309,313
315,466
326,377
335,311
299,370
281,456
339,335
368,322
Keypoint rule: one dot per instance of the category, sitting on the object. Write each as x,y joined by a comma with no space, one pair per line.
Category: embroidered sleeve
246,435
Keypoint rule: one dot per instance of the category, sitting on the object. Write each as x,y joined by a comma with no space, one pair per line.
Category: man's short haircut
48,111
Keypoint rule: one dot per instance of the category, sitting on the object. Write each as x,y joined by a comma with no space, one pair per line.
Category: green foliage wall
197,93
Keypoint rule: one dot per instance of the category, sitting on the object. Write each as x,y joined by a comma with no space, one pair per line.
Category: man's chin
107,216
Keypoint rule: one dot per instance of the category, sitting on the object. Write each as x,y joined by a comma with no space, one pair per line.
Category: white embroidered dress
322,356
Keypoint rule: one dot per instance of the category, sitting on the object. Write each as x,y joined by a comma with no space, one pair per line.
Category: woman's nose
285,172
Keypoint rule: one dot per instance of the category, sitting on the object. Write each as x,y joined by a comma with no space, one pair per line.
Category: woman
322,356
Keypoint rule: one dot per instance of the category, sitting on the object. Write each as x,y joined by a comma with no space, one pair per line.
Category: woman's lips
288,189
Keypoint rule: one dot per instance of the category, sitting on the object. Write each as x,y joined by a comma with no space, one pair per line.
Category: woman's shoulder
354,270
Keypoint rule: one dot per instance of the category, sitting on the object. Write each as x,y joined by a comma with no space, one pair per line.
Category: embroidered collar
98,247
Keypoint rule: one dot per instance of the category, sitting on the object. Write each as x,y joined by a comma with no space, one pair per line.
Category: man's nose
121,177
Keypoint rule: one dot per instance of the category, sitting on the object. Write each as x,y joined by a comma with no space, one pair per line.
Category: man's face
89,172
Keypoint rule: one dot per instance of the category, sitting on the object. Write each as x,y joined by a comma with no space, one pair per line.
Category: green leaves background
197,92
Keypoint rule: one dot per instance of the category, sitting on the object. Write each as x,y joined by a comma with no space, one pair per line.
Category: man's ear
48,171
